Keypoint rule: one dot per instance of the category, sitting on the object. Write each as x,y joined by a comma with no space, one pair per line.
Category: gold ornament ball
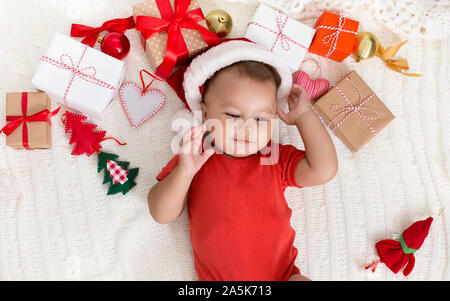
366,45
219,22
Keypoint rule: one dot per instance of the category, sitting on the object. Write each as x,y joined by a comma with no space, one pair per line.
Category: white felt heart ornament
140,107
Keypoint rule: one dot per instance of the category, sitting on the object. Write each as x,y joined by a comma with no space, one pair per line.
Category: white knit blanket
56,222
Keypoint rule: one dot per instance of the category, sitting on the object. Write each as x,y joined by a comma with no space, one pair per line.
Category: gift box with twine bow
353,111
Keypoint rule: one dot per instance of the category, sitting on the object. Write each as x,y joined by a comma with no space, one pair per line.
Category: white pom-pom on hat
184,120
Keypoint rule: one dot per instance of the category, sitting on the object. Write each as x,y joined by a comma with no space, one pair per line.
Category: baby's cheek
222,132
264,134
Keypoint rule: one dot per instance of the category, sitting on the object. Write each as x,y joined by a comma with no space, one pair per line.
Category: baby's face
239,112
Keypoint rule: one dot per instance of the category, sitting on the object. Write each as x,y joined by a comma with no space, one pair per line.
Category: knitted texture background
56,222
428,19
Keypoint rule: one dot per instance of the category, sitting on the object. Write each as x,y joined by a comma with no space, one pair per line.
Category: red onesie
239,218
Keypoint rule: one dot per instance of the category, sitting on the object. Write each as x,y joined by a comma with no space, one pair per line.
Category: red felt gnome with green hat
396,254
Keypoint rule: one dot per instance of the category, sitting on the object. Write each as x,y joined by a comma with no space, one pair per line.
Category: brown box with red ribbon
353,111
28,120
172,32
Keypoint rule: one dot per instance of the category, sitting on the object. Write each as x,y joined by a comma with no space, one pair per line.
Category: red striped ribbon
359,109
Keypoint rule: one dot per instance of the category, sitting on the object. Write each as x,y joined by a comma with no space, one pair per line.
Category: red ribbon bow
172,22
91,33
16,121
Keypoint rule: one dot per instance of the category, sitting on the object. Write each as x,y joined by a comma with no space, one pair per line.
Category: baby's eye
261,119
232,115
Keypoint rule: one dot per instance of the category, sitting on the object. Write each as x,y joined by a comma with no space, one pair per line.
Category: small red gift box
335,36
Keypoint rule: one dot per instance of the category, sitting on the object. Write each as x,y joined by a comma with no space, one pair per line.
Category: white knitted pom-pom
184,120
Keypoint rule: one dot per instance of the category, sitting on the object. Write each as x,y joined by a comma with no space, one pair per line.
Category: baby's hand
298,103
191,160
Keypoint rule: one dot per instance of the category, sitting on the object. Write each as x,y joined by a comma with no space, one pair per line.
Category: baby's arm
320,164
167,198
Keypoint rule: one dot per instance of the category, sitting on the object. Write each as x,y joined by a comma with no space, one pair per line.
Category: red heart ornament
138,106
314,88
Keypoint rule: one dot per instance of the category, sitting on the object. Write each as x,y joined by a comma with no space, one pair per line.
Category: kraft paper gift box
284,36
155,46
78,76
353,111
38,133
334,37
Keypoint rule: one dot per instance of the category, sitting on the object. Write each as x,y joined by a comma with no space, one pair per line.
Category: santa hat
188,81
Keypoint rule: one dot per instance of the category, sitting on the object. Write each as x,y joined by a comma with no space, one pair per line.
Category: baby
239,218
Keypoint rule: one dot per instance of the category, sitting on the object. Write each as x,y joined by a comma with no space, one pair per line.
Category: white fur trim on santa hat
206,64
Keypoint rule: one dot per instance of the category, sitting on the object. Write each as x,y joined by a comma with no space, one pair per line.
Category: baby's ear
203,109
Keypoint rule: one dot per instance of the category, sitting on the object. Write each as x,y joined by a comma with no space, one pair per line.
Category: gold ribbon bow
398,65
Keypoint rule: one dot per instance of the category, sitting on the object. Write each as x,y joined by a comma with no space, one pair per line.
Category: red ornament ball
116,45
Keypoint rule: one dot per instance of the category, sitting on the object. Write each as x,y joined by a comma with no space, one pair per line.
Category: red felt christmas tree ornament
84,136
397,254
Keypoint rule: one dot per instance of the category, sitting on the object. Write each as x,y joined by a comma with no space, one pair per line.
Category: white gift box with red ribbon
283,35
78,76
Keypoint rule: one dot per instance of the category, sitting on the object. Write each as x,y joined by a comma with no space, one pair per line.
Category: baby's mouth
242,141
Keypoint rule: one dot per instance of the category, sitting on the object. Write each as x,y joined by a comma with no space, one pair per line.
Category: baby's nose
246,127
244,124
